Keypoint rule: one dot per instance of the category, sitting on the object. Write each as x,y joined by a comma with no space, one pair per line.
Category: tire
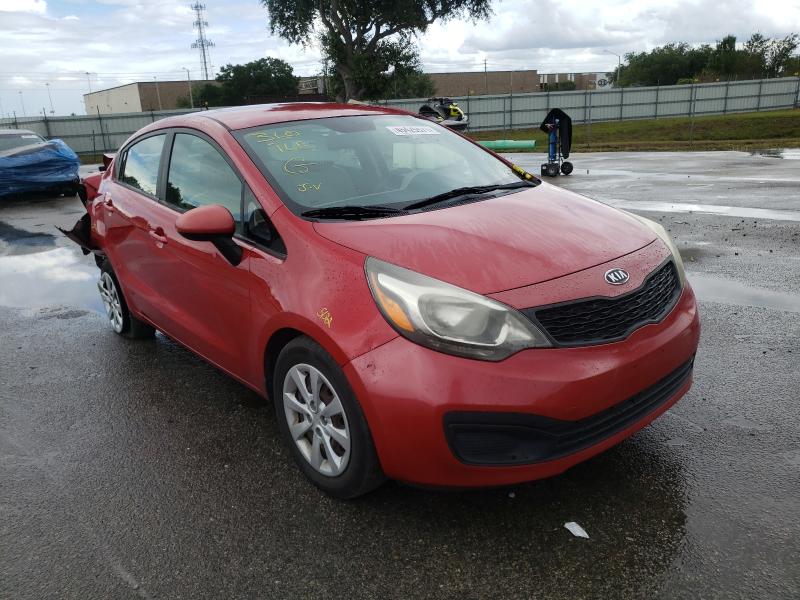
119,316
552,169
544,169
329,441
566,167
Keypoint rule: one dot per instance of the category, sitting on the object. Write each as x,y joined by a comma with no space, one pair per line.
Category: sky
49,46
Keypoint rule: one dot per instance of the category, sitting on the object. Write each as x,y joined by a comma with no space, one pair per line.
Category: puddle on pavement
21,241
785,153
726,291
52,278
709,209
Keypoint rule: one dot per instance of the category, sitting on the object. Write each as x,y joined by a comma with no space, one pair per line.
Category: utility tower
204,44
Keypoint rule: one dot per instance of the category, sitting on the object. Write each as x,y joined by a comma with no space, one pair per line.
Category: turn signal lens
389,307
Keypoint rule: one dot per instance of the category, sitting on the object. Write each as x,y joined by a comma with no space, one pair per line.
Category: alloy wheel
111,301
317,421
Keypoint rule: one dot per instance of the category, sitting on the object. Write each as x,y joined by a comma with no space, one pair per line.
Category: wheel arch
292,327
277,342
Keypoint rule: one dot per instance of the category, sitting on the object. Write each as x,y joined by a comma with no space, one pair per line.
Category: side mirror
211,223
107,158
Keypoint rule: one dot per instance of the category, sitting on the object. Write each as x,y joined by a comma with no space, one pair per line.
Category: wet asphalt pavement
133,469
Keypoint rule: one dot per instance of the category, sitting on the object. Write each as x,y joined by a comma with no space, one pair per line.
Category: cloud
31,6
575,32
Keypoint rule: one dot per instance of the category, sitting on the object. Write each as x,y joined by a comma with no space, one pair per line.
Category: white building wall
123,99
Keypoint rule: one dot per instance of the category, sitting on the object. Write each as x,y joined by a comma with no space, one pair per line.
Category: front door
208,297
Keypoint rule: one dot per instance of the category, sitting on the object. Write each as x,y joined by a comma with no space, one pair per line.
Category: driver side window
199,175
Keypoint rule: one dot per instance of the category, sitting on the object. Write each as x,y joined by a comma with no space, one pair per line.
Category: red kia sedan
416,307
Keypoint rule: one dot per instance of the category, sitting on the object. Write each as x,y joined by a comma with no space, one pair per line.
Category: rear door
132,215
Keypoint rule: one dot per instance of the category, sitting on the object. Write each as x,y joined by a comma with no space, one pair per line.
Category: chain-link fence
94,134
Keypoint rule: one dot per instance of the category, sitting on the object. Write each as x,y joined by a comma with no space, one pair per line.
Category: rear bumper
412,396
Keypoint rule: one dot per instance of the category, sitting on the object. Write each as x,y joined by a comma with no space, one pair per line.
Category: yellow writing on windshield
297,166
293,146
273,137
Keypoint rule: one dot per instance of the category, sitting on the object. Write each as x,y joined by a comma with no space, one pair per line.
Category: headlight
662,233
448,318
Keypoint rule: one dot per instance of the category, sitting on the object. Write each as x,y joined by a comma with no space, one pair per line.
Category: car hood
500,243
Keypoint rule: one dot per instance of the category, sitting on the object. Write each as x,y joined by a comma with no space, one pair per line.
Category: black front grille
603,320
497,439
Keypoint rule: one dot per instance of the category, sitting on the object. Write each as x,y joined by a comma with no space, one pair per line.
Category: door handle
109,205
158,235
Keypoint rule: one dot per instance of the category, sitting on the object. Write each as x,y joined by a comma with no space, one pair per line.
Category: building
477,83
311,85
582,81
142,96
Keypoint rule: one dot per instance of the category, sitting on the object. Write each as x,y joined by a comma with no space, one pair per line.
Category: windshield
364,161
18,140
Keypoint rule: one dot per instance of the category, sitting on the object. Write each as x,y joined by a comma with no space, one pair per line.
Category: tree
662,66
779,54
725,58
357,34
394,72
240,84
210,95
765,57
759,56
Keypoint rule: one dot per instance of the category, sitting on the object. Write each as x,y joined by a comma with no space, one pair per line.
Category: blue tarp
38,169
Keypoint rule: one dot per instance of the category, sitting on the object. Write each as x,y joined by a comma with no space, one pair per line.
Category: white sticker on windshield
412,130
30,137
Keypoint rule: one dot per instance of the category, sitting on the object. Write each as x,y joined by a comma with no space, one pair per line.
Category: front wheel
566,167
322,422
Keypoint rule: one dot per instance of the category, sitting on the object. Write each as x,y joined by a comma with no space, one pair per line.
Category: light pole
89,80
189,80
158,93
619,65
22,101
52,110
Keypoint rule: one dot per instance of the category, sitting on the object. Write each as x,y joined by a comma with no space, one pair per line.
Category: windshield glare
367,161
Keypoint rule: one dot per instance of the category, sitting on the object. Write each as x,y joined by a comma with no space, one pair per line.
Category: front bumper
410,393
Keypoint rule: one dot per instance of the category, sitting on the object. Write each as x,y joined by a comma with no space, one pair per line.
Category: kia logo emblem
617,276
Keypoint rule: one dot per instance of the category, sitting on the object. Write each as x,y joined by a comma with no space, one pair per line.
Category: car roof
242,117
18,132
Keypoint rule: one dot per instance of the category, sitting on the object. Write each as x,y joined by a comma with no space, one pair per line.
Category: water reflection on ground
785,153
57,277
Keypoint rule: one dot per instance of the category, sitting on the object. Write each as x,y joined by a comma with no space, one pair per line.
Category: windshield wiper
354,213
466,191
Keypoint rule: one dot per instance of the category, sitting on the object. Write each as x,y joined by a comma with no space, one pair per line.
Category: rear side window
141,164
199,175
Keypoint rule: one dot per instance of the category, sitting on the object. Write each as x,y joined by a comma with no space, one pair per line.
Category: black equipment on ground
558,126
